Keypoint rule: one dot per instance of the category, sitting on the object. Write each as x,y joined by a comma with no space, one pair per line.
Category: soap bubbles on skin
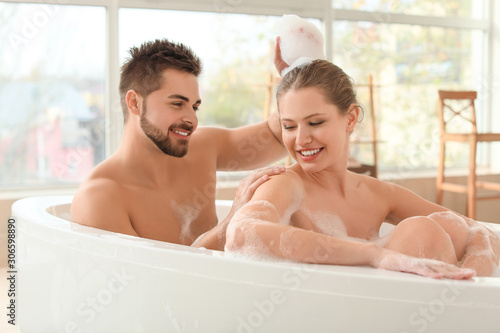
294,206
252,246
483,252
327,224
300,42
187,214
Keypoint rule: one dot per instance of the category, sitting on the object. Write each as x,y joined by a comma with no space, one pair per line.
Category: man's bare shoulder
103,179
100,202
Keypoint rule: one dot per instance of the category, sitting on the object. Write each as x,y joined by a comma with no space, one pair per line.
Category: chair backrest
457,107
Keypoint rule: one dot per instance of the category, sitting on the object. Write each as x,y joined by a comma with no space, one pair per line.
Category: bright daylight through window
51,93
52,78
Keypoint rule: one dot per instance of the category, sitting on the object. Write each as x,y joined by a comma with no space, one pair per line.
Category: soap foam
458,221
327,223
186,214
299,39
481,253
253,246
294,206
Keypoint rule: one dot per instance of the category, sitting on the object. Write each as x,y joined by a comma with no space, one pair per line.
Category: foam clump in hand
300,42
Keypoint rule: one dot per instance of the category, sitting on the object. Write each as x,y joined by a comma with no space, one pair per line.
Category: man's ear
134,101
352,117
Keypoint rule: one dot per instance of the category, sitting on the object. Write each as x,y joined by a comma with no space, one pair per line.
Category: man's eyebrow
184,98
175,96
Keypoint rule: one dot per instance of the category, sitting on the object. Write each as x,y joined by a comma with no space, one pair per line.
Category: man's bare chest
177,214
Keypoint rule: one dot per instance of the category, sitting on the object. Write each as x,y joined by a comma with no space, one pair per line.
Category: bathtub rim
28,209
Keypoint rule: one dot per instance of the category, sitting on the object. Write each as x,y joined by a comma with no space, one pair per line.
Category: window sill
19,193
431,174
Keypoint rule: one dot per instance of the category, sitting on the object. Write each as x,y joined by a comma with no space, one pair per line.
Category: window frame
319,9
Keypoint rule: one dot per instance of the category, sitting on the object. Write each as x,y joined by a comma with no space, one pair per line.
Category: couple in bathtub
316,211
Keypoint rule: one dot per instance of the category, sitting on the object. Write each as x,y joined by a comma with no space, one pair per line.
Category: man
153,186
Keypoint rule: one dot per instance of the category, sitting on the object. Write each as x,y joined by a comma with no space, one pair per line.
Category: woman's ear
134,101
352,117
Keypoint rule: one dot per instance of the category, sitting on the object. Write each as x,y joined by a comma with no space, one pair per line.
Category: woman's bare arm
260,228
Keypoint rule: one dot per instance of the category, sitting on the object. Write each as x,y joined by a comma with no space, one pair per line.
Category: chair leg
471,185
440,174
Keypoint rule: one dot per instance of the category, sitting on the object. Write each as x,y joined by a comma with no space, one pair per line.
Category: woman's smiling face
315,132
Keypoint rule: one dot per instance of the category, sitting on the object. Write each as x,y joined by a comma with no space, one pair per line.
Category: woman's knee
455,226
422,237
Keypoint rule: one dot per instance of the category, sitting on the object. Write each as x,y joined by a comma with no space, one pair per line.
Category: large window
60,65
411,57
409,64
51,93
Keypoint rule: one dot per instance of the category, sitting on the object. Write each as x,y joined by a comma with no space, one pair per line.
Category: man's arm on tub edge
98,205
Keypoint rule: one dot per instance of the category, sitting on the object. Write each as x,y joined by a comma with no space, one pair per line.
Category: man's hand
247,186
279,63
215,239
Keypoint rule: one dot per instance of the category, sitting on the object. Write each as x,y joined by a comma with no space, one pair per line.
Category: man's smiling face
168,114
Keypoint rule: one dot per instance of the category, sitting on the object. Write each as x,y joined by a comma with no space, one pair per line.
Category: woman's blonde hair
335,84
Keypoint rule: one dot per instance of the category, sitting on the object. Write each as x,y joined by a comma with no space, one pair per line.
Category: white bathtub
79,279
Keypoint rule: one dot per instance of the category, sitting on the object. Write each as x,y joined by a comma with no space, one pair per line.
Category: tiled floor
5,327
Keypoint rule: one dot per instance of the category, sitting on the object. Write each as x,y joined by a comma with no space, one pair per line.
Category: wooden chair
448,101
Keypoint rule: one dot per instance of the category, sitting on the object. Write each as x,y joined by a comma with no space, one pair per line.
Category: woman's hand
398,262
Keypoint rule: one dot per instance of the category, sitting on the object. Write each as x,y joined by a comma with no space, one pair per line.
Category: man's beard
162,141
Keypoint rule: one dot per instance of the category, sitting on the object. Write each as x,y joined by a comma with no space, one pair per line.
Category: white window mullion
114,117
328,29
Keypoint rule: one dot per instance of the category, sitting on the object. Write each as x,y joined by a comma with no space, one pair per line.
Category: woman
319,212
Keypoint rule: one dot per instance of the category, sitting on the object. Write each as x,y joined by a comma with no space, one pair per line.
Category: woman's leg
422,237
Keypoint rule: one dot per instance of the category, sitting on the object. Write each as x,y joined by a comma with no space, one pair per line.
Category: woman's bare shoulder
284,187
290,179
369,183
